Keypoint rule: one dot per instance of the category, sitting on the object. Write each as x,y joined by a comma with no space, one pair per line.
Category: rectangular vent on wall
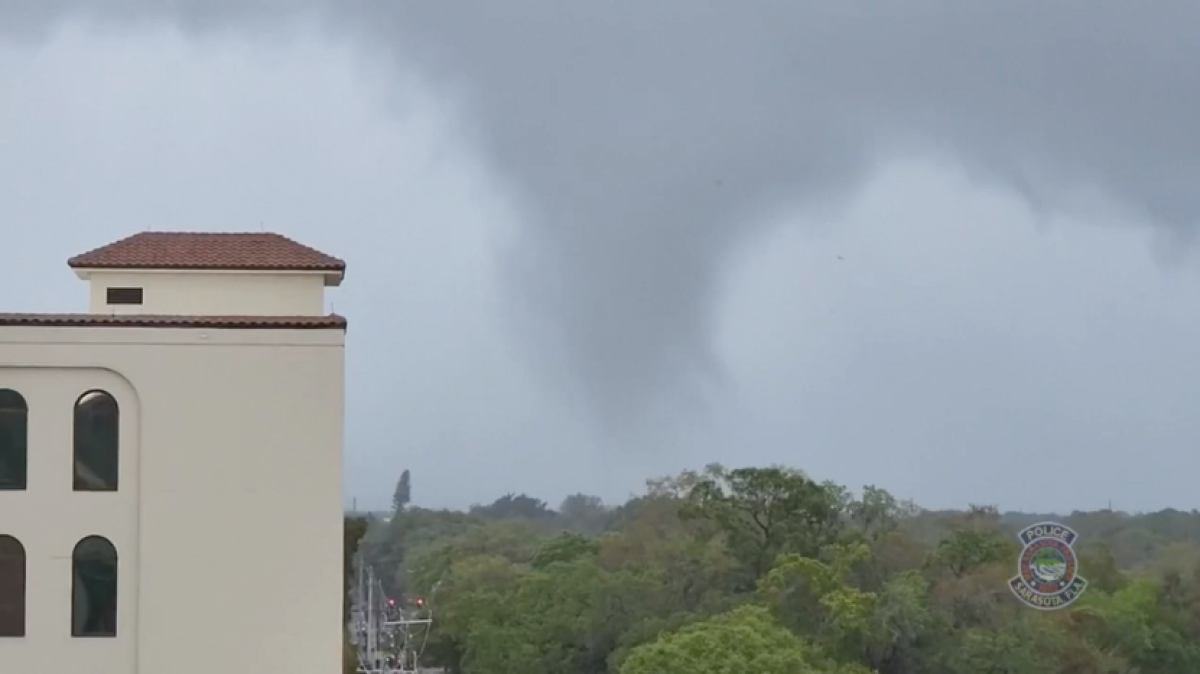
124,295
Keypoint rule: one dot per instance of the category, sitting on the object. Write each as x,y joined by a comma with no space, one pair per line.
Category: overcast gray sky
941,247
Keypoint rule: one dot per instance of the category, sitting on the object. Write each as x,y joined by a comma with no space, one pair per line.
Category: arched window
94,588
96,442
14,444
12,587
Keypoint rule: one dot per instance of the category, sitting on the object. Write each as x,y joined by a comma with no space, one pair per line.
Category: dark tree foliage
403,493
353,529
769,570
515,506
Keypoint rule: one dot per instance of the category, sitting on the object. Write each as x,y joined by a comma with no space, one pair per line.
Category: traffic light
420,601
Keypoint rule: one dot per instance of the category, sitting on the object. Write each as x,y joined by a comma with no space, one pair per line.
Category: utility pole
388,640
372,622
409,650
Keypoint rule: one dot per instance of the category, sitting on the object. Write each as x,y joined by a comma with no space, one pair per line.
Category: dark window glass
124,295
94,588
14,449
96,442
12,587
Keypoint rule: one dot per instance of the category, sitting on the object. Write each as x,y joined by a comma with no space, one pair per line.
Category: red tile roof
207,250
332,321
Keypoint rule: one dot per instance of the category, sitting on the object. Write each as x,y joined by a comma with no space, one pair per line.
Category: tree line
767,570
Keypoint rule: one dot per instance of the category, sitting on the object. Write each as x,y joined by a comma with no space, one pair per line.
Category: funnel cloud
646,145
648,140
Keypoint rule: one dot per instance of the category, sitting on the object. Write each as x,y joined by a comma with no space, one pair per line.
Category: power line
389,639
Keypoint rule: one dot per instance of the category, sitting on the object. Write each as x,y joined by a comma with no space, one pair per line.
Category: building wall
212,293
49,518
228,519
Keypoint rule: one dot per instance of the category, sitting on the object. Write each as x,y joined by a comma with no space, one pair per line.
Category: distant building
171,464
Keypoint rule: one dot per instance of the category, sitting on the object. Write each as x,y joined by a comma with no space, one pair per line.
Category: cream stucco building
171,464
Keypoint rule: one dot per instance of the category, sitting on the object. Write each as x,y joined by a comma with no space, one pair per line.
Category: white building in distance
171,464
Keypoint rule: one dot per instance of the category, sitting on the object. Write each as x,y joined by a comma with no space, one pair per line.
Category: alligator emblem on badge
1047,571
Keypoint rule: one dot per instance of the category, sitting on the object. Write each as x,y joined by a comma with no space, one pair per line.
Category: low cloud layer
646,144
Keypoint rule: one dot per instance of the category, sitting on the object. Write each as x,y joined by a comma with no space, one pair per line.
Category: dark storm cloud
645,142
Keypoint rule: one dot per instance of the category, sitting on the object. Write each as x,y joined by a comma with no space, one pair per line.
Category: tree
1136,623
567,617
403,493
967,549
566,547
876,513
583,513
766,511
673,581
746,639
353,530
515,506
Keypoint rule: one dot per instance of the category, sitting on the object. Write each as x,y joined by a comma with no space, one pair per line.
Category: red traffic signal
420,602
391,602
